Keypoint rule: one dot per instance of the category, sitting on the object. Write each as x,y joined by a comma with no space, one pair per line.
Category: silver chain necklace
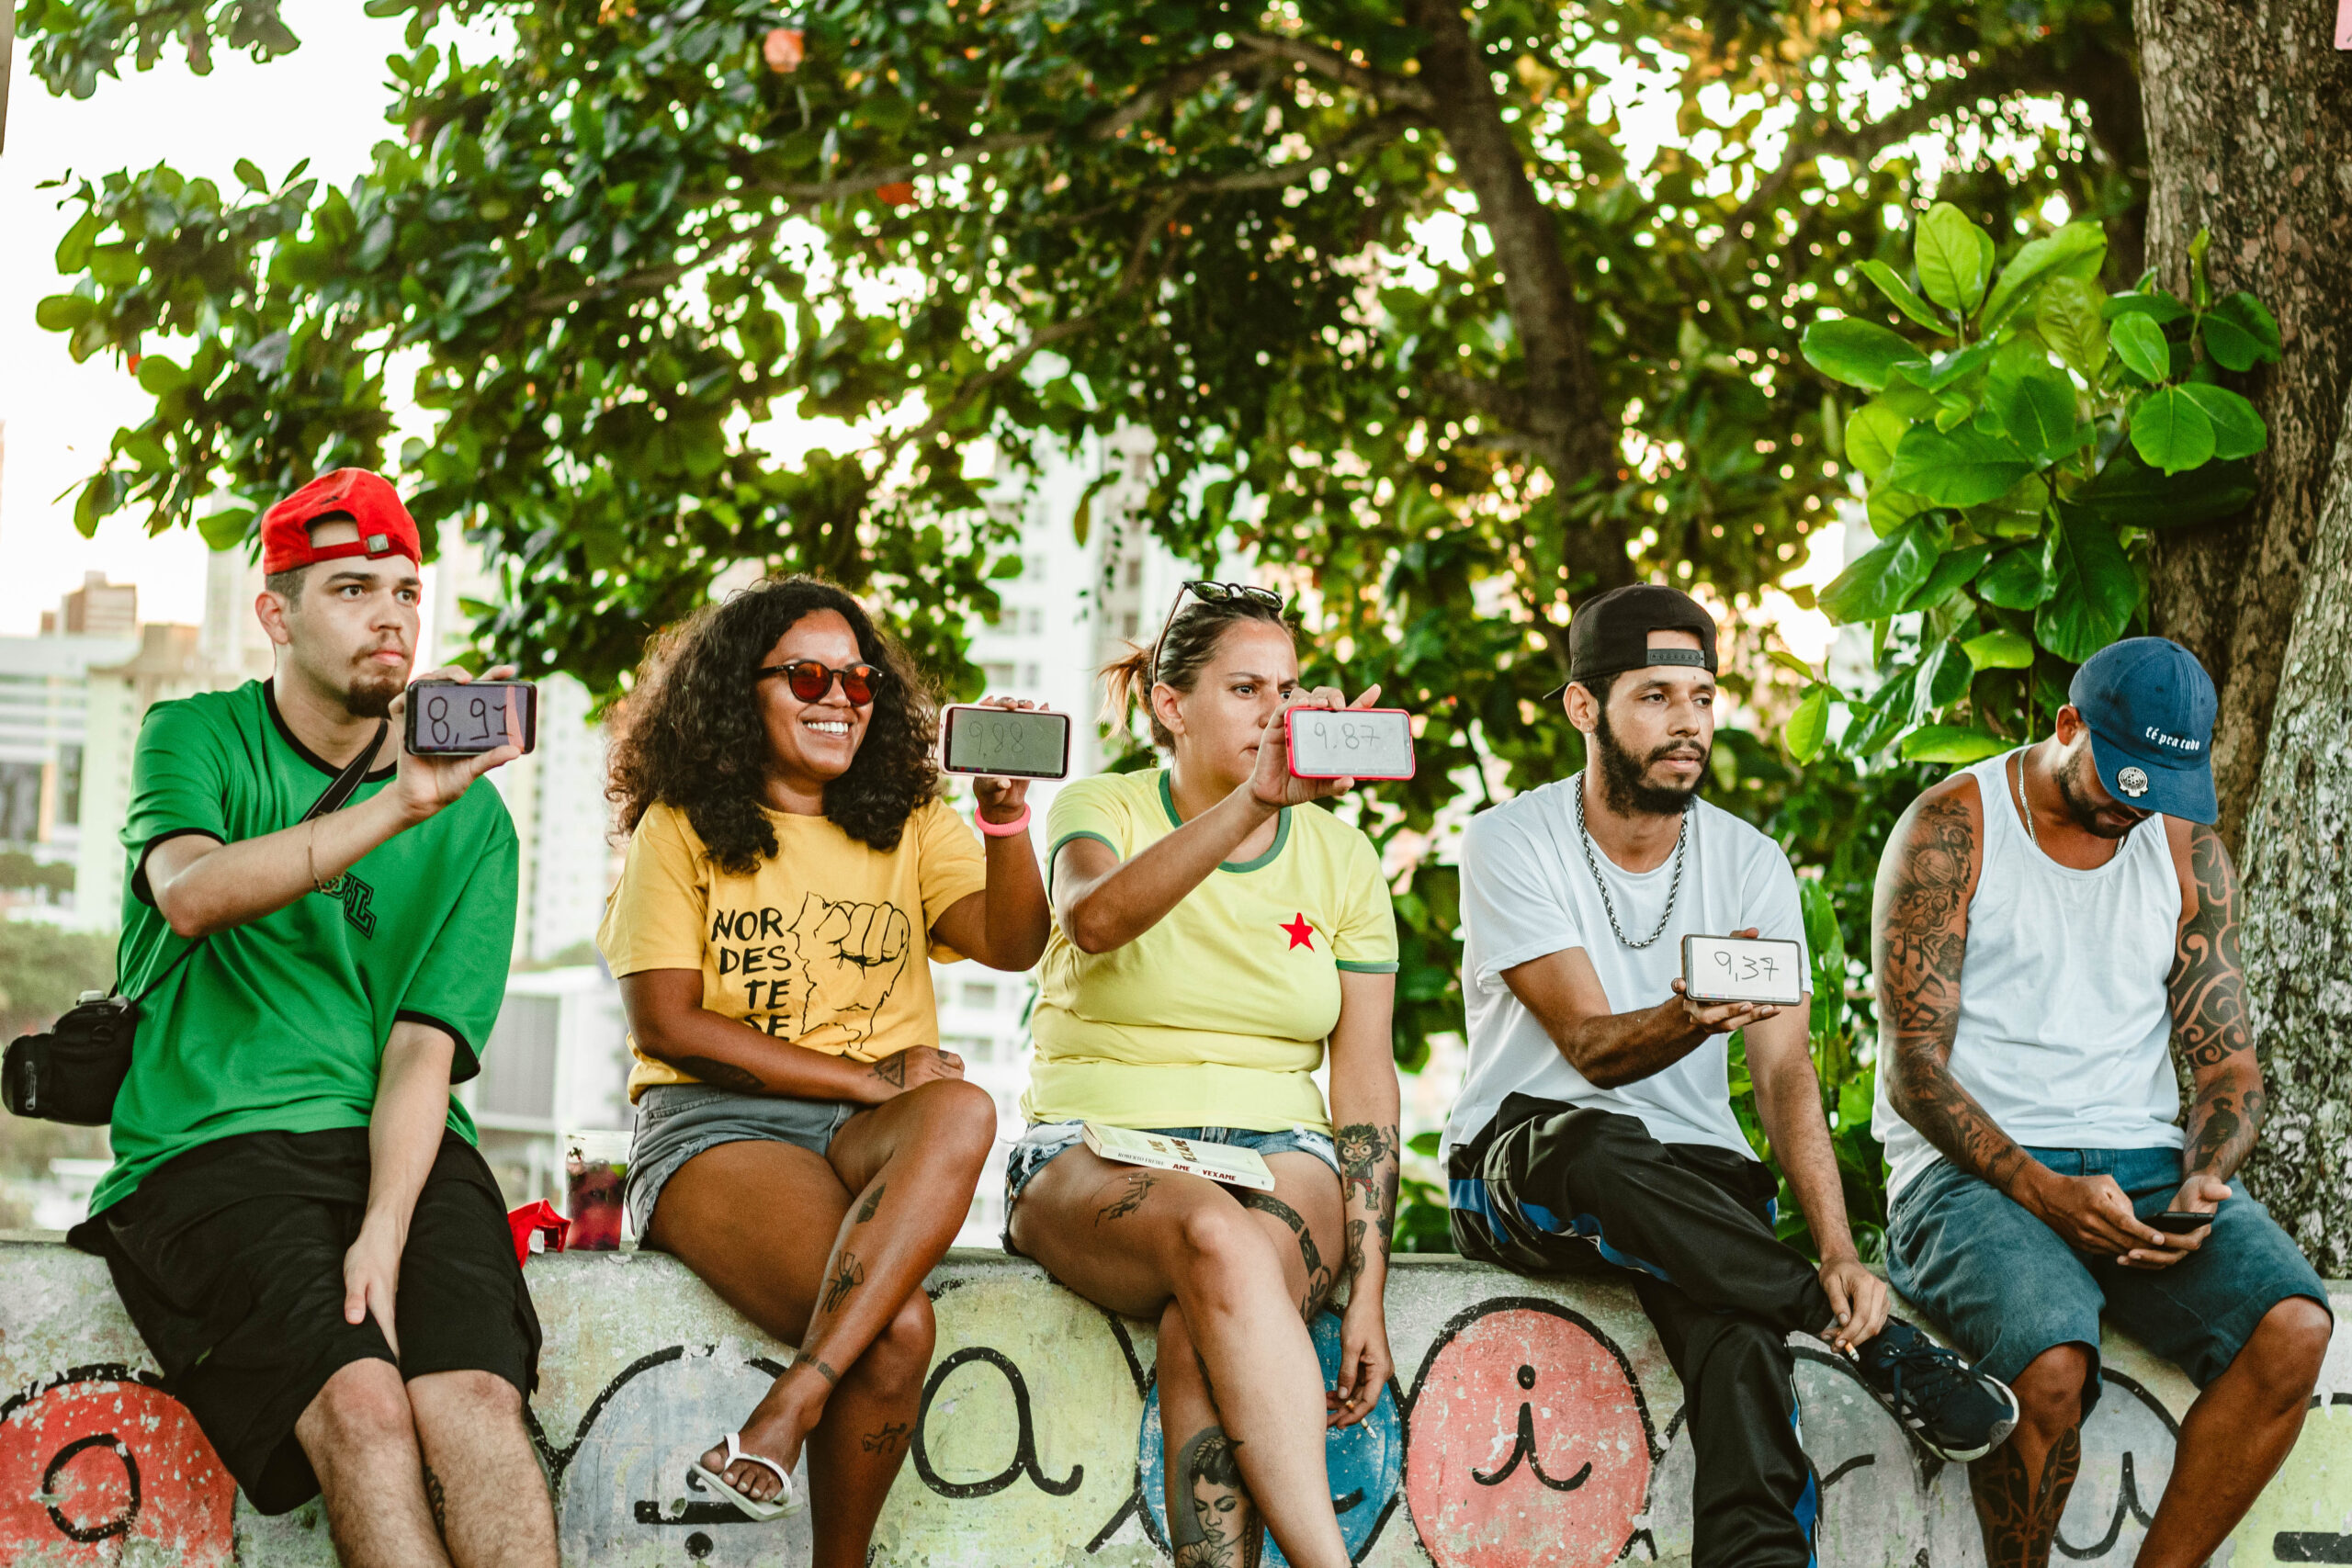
1592,862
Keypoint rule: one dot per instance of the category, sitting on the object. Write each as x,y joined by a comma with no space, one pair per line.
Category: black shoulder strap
332,798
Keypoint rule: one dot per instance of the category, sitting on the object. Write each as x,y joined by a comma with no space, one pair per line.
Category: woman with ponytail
1215,931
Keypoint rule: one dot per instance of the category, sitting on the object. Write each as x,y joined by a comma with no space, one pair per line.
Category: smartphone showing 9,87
1351,743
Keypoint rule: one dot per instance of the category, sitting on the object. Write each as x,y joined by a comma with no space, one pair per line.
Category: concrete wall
1528,1424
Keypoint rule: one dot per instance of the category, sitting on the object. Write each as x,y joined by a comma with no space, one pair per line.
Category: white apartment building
44,738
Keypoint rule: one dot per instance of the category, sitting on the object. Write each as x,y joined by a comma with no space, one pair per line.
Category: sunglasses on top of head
1210,594
809,680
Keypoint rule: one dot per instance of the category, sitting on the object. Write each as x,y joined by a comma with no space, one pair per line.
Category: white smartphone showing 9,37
1020,743
1351,743
1742,969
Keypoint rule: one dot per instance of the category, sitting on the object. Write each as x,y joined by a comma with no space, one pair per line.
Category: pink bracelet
1004,829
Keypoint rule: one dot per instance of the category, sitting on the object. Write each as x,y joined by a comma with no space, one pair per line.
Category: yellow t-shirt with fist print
824,944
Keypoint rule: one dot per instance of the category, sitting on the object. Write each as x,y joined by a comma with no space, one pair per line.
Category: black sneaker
1947,1405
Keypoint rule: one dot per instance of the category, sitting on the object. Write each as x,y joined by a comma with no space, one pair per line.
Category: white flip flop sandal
750,1507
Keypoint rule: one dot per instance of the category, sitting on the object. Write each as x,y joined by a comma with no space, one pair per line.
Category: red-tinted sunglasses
810,679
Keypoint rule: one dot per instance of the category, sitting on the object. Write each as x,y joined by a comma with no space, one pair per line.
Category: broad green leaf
2001,650
1952,260
1955,568
249,175
1946,369
1808,726
1890,508
2127,494
73,250
2238,431
2240,334
2156,304
2092,588
1856,352
2014,580
2032,399
1792,665
2067,316
158,375
1943,676
225,529
1951,744
2140,342
1965,467
1877,582
1890,283
2037,260
1906,396
1871,432
2170,432
63,312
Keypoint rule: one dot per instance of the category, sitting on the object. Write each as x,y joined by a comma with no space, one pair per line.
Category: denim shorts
1044,1140
677,1121
2007,1288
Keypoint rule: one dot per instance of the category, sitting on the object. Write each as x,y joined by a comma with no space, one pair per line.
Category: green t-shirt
279,1024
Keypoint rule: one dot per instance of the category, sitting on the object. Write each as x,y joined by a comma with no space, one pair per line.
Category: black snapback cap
1611,633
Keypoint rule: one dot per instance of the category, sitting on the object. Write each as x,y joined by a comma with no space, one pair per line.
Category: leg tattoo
889,1438
436,1497
1139,1187
1214,1526
2019,1512
1319,1278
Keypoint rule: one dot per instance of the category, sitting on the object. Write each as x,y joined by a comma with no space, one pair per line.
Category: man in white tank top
2047,922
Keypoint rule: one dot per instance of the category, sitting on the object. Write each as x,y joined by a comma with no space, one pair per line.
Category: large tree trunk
2298,871
2249,117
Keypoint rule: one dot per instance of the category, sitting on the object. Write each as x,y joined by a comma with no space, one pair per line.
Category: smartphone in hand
1017,743
464,719
1349,743
2180,1221
1742,969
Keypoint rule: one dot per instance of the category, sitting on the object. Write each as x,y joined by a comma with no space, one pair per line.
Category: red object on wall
539,1219
100,1459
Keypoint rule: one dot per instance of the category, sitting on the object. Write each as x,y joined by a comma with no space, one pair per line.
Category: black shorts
229,1261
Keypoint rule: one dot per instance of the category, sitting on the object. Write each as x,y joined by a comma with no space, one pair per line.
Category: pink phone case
1290,742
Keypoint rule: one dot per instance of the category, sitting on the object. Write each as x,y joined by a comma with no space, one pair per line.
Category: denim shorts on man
677,1121
2005,1288
1046,1140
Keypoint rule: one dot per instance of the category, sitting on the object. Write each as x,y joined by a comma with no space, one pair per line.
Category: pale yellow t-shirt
823,944
1218,1015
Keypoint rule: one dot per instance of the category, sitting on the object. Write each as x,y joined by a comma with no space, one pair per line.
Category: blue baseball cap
2150,707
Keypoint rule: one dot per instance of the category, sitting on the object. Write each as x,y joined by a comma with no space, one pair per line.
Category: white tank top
2066,1027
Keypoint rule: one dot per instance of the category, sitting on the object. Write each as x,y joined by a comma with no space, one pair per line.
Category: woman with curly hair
1214,932
802,1142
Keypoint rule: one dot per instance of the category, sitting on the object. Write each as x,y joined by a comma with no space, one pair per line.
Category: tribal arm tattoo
2207,992
1919,938
1368,1156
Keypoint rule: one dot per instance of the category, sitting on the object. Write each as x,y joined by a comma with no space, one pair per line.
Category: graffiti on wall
99,1456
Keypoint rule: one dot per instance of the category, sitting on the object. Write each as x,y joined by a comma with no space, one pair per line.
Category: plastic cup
595,1166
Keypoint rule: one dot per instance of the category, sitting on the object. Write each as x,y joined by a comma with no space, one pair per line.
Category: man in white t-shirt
1595,1127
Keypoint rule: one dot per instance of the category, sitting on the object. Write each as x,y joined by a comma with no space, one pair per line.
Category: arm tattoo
1139,1187
722,1075
2207,990
831,1377
1216,1528
1368,1185
847,1276
891,1070
873,1202
1919,930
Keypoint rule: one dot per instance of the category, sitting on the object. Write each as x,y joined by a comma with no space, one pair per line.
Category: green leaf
1943,676
158,375
2240,334
2140,342
2014,580
2170,432
1965,467
2036,260
1956,567
1859,353
2128,494
1791,663
249,175
1946,369
2092,588
63,312
2032,399
1871,432
1876,584
225,529
1890,283
73,250
2067,317
2001,650
1950,743
1808,726
2154,303
2238,431
1950,254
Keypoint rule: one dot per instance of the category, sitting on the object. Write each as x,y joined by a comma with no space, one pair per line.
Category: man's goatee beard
371,696
1622,785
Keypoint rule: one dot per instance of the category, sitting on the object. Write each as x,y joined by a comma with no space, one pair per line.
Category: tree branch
1506,406
1373,133
1332,63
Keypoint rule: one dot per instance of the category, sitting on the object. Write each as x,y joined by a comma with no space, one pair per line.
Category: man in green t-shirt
297,1218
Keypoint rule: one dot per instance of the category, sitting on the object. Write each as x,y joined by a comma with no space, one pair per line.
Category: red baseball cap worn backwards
370,499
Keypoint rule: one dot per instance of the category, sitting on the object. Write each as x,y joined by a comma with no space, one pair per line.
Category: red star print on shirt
1301,933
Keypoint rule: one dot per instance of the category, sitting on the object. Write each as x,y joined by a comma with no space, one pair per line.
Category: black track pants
1547,1189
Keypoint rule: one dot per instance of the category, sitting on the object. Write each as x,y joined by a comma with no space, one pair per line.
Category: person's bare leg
481,1477
2020,1488
855,1451
1210,1523
1129,1239
888,1200
360,1438
2237,1435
